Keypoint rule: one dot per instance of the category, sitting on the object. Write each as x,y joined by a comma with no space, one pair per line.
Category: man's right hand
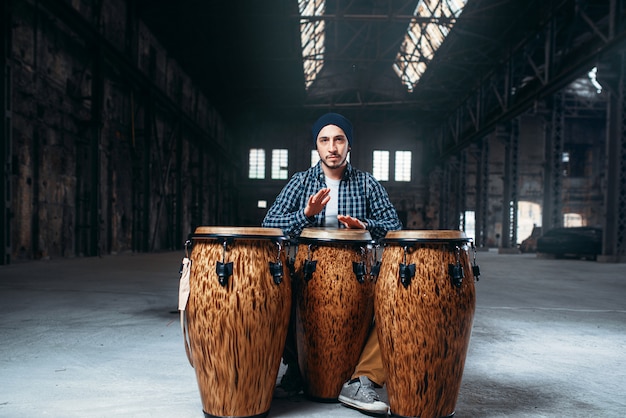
317,202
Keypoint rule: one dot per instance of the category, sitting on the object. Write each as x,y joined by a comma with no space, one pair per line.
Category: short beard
341,164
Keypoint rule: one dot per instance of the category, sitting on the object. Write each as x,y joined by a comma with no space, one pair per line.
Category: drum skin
424,328
237,332
334,311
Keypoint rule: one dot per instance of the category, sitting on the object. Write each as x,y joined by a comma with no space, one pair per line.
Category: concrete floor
99,337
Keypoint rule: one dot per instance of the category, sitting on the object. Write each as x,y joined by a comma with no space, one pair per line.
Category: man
333,193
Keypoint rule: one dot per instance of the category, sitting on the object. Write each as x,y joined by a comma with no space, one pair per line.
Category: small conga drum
237,317
335,306
424,307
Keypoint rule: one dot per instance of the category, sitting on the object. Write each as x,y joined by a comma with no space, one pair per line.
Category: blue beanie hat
332,119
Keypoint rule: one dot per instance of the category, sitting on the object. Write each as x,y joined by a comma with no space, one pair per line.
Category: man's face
332,146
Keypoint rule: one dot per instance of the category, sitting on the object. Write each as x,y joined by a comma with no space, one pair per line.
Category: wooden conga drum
335,306
237,316
424,307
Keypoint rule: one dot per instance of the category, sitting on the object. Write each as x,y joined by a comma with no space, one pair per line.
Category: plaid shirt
360,196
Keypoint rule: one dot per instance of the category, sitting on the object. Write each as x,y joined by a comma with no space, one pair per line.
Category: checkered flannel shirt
360,196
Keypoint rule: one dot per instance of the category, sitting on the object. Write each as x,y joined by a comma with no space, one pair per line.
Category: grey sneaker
360,394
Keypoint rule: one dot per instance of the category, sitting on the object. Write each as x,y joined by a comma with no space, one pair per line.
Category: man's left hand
350,222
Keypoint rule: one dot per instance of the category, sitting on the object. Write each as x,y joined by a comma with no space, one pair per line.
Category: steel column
553,168
614,231
510,136
5,134
461,200
482,193
444,196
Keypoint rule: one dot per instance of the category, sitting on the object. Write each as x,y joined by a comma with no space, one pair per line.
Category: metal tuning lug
475,268
359,270
223,269
407,271
456,270
276,270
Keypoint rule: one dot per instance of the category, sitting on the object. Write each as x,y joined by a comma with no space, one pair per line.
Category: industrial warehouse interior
137,136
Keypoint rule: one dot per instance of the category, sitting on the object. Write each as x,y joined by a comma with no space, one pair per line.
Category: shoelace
369,393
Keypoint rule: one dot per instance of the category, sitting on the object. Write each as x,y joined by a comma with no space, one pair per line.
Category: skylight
425,34
312,38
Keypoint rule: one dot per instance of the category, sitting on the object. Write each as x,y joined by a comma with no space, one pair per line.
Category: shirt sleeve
287,211
382,216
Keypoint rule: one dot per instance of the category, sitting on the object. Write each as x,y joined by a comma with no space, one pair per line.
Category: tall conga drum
335,306
237,317
424,307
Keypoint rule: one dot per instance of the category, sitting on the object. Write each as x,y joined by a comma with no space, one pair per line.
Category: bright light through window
380,168
312,38
593,77
315,157
403,166
256,164
279,164
424,37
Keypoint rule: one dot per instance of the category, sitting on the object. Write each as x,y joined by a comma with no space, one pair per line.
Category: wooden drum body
335,307
424,307
237,317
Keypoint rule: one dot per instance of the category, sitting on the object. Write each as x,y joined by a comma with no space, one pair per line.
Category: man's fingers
350,222
322,196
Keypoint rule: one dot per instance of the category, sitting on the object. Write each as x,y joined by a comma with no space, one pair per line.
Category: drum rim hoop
235,232
339,235
427,236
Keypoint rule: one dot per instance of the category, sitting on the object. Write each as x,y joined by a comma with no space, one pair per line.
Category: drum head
436,235
236,232
335,234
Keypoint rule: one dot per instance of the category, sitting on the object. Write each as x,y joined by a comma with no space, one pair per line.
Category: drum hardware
334,309
407,272
291,258
375,268
424,330
276,269
359,268
456,270
309,265
291,265
223,269
235,344
475,268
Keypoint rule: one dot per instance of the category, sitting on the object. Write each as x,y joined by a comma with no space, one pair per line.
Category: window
403,166
279,164
315,157
312,35
256,160
468,223
380,166
433,21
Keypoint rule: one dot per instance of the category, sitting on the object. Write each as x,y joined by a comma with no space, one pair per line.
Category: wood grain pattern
237,332
424,329
333,315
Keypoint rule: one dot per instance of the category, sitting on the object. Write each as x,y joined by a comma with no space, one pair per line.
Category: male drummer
334,193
